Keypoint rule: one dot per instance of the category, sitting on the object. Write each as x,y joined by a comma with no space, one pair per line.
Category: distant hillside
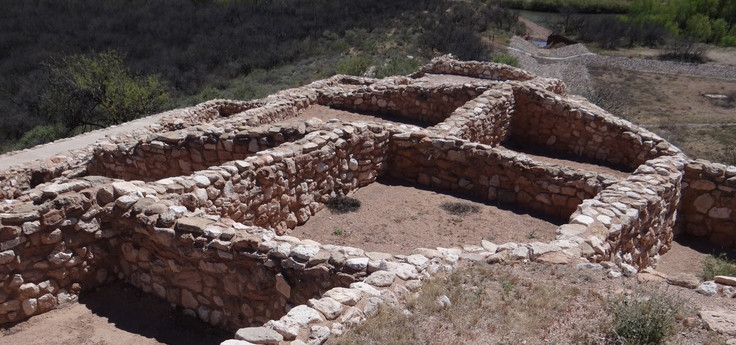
69,66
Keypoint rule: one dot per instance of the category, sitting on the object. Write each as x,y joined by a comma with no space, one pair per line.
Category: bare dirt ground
326,113
549,158
716,55
533,304
395,217
673,107
534,30
115,315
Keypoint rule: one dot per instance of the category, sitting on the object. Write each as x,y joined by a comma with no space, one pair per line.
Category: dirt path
77,142
397,218
535,30
115,315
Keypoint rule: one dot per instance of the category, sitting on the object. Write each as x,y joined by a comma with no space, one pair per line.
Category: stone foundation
708,206
202,219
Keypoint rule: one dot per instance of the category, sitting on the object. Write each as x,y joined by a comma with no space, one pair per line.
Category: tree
698,27
98,91
719,29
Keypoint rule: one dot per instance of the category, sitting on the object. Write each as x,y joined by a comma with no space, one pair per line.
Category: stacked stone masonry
708,206
197,208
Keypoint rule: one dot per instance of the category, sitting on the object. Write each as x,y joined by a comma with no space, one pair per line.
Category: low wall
543,120
485,119
447,64
50,252
491,174
186,151
283,187
14,181
420,104
228,275
708,206
631,221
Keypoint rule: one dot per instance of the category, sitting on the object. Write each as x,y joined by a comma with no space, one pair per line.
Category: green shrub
342,204
398,66
581,6
643,319
41,135
718,266
355,65
96,90
506,59
728,41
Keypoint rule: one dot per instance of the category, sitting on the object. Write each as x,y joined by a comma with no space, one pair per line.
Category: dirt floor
551,158
116,315
688,254
326,113
673,107
396,217
537,304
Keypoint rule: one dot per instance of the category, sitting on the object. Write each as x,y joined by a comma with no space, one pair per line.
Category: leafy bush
685,50
644,319
582,6
506,59
706,22
718,266
342,204
459,208
40,135
354,65
463,43
398,66
98,91
234,49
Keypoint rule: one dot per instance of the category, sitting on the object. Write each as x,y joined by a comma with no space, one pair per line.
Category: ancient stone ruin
198,208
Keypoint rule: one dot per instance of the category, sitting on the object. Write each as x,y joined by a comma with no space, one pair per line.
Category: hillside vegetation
74,65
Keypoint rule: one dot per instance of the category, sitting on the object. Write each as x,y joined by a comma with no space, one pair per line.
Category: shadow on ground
515,208
131,310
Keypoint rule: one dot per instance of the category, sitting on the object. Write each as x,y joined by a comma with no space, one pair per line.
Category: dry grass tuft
342,204
459,208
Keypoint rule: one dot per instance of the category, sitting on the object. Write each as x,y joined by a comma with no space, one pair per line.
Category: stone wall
447,64
485,119
283,187
15,180
631,221
210,239
228,276
415,103
546,121
50,252
186,151
491,174
708,206
225,273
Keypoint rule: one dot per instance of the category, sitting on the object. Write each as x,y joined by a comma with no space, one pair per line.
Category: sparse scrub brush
718,266
342,204
644,319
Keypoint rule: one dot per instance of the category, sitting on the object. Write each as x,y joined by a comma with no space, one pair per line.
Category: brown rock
52,218
683,280
644,277
193,224
556,257
721,321
725,280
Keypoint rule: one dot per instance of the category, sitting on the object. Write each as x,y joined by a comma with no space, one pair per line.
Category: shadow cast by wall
134,311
